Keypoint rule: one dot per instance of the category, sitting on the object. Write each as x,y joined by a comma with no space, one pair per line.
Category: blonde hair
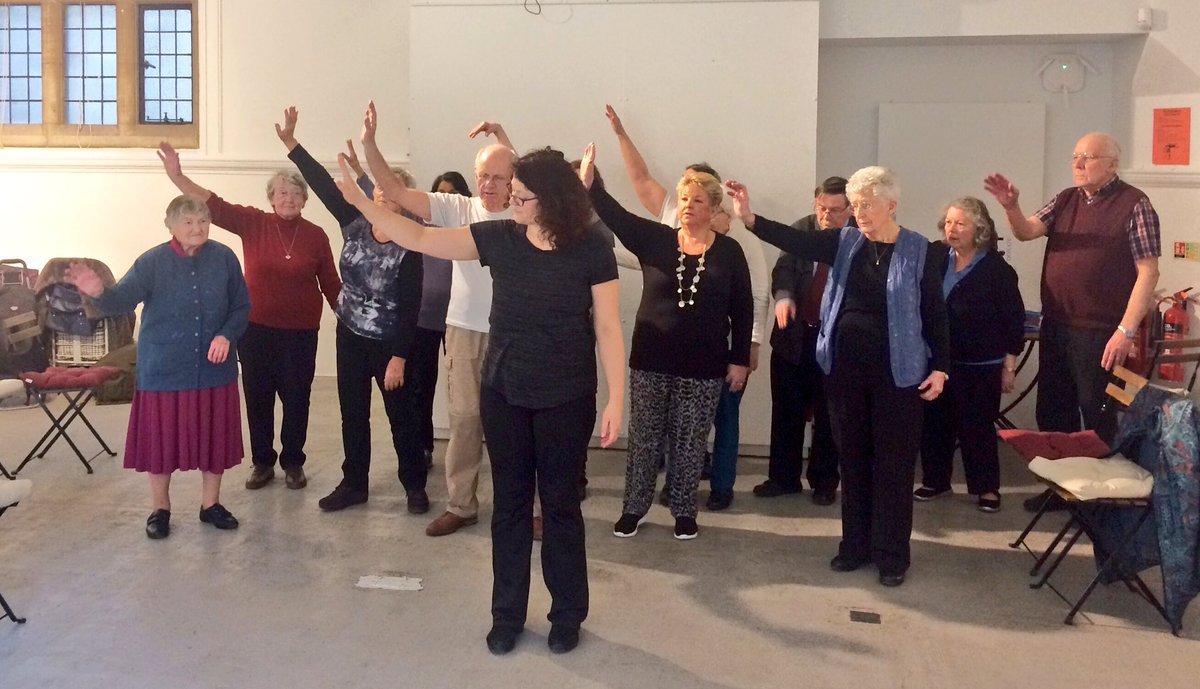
710,184
185,205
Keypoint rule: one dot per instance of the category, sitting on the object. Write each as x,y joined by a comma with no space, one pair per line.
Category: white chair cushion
14,491
1089,478
11,387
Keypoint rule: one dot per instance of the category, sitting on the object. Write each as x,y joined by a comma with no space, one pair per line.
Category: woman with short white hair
883,345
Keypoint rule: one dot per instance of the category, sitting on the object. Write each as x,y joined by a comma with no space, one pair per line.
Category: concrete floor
751,603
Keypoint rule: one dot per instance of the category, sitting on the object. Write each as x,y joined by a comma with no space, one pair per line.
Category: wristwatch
1126,331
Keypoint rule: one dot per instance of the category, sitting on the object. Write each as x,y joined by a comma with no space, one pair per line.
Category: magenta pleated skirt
185,430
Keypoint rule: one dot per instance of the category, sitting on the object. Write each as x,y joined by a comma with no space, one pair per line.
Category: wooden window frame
129,132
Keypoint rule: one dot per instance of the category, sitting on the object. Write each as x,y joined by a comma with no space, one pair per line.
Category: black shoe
501,640
664,498
719,500
824,498
627,525
685,528
294,478
989,505
418,501
841,563
562,639
770,489
1035,503
925,493
706,470
891,580
219,517
159,524
342,497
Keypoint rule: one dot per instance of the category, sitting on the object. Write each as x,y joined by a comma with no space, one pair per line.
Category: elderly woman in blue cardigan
883,346
186,411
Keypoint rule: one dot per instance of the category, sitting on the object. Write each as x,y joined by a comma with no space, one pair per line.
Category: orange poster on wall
1172,136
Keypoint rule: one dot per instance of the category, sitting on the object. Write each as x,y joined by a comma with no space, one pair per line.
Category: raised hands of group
287,131
84,279
170,160
741,201
587,165
998,186
614,120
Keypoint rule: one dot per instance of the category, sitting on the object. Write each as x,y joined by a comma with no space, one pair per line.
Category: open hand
347,184
287,132
170,160
587,165
741,202
352,158
84,278
370,123
614,120
998,185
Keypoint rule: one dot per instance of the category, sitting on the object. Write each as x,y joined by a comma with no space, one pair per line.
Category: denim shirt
909,351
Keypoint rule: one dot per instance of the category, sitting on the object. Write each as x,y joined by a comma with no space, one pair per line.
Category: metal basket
75,350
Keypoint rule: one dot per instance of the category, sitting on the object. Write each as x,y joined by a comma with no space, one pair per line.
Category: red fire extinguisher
1175,327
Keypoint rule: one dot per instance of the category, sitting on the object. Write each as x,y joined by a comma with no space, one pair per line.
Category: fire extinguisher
1175,327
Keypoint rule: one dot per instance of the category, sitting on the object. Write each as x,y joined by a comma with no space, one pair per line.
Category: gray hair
185,205
981,220
406,177
290,177
878,181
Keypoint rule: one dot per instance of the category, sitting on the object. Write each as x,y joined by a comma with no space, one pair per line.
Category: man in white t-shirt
467,315
663,202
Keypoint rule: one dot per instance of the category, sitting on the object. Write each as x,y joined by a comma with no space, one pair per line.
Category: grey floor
751,603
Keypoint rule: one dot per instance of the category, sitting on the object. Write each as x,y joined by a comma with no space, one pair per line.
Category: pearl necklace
691,298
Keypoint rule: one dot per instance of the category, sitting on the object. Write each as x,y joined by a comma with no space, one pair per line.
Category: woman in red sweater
289,266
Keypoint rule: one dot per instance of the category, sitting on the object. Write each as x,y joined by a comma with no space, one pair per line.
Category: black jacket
987,315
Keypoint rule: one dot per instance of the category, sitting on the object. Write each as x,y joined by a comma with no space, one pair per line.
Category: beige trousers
464,452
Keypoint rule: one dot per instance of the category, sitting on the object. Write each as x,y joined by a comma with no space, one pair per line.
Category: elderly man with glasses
1098,278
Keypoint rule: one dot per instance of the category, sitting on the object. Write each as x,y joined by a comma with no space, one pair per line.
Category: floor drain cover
866,617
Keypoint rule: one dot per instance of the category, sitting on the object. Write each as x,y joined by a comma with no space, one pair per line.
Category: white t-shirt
755,261
470,283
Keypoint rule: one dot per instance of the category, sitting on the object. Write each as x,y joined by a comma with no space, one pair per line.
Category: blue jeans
725,445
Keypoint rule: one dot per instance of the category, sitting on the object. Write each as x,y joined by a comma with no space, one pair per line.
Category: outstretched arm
170,160
455,244
650,193
412,200
1008,196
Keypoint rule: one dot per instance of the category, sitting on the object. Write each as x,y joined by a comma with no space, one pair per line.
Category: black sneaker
159,524
418,501
219,517
719,500
685,528
925,494
342,497
627,525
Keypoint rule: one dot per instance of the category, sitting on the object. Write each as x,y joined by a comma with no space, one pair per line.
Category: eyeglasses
494,179
863,207
518,201
1086,157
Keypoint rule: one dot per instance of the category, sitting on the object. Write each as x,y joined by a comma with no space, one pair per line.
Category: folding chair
1083,484
11,493
77,386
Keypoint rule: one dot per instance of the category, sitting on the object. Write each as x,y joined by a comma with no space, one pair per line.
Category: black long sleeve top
692,341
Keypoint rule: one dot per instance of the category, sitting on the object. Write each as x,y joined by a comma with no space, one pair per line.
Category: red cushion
57,378
1052,445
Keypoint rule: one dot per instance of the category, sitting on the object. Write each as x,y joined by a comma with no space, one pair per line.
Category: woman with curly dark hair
554,303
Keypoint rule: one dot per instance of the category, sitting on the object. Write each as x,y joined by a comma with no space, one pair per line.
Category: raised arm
1008,196
318,178
455,244
634,231
492,129
412,200
650,193
812,245
174,170
610,344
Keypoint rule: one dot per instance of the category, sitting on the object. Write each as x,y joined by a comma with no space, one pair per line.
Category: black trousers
795,390
877,427
964,414
546,448
1071,381
421,372
279,362
361,360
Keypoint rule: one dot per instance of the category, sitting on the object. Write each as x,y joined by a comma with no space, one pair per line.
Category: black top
541,349
861,330
987,315
692,341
